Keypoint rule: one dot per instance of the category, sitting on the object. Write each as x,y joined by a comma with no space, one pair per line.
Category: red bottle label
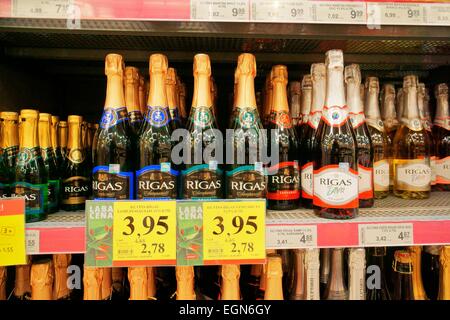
284,181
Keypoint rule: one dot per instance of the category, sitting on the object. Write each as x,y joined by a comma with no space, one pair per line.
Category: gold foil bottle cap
171,77
246,64
445,256
63,124
8,115
45,117
389,90
318,71
357,258
185,283
114,64
29,113
76,119
352,74
334,59
306,82
42,280
202,64
274,266
131,75
410,81
441,89
279,74
158,63
295,88
372,83
231,271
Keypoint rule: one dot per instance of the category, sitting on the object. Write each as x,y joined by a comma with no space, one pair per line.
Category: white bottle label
365,182
336,187
443,170
433,170
412,175
381,175
307,180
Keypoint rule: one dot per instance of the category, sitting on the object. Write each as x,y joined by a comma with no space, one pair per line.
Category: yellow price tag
12,232
234,232
144,233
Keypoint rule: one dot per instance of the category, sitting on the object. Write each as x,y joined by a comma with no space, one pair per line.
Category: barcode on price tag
291,237
41,8
396,13
32,241
438,14
282,11
386,234
210,10
340,12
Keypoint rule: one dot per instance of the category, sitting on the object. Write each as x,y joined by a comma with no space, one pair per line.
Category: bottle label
246,182
336,186
381,175
53,194
247,117
357,119
35,196
157,182
433,170
202,182
284,181
442,122
335,116
202,116
26,155
135,116
76,156
412,175
281,119
112,184
376,123
307,181
413,124
365,182
443,170
314,119
75,190
157,116
113,116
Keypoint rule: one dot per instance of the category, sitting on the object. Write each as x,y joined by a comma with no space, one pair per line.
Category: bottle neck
372,108
172,100
132,96
60,289
185,290
63,137
306,99
230,288
419,290
114,92
444,281
442,108
274,287
404,285
335,88
389,108
421,106
279,98
74,140
354,98
202,91
336,284
138,283
157,96
22,280
9,134
410,109
29,133
318,95
298,285
54,136
92,282
41,281
245,92
44,135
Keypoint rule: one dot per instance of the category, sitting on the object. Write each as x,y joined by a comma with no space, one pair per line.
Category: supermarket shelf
429,221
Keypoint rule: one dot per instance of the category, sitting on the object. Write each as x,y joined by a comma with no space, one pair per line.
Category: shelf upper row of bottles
335,150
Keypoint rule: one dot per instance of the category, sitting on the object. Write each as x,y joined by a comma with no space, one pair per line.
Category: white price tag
396,13
347,12
386,234
225,10
438,14
41,8
291,237
32,241
282,11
